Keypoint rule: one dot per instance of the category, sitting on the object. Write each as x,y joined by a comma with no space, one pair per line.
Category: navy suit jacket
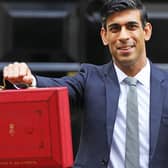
98,89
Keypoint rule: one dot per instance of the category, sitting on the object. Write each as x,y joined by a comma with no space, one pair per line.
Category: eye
132,26
114,28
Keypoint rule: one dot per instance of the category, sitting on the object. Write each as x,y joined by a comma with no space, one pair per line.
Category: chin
127,62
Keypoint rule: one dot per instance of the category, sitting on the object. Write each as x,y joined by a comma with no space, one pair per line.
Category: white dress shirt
117,154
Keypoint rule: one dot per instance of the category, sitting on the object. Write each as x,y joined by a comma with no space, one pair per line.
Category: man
103,92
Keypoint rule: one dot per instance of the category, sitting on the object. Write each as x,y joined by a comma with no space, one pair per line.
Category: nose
124,34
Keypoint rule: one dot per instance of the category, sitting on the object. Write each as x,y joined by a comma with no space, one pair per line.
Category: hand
18,73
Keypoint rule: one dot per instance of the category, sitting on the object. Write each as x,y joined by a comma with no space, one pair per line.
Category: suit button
104,162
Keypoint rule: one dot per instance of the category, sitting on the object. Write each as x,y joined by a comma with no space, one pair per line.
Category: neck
133,69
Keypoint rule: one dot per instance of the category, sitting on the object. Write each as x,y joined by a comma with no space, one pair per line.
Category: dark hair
112,6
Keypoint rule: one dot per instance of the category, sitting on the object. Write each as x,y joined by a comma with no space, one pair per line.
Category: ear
147,31
103,33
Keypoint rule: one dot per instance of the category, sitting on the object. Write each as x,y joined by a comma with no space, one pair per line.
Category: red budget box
35,128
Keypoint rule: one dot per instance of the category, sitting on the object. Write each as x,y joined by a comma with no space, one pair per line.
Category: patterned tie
132,130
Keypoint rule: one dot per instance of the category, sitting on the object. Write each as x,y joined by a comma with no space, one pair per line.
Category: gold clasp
4,85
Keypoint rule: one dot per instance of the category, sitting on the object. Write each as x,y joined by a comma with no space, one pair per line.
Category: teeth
125,48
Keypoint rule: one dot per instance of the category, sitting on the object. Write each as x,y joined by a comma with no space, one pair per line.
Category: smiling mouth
125,50
125,47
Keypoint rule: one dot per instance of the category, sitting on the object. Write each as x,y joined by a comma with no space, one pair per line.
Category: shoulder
95,68
160,74
160,70
91,66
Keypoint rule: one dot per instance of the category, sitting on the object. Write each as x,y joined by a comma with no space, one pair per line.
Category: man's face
125,36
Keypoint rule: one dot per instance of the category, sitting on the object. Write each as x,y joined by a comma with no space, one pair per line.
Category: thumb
28,78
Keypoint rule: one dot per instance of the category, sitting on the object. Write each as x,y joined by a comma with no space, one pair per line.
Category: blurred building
67,31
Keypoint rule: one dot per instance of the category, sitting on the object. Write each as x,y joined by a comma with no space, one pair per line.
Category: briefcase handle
2,87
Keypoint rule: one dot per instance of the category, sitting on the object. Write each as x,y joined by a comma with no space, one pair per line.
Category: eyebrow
133,22
117,24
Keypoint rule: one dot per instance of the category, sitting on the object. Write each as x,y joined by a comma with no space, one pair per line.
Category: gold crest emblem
12,129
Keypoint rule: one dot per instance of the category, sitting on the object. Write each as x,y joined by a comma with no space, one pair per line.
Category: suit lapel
112,97
156,103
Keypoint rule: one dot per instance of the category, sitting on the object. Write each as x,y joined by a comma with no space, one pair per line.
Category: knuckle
23,64
16,63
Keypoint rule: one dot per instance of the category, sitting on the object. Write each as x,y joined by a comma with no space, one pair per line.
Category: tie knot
130,81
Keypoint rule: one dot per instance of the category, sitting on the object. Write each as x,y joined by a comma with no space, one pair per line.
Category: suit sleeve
74,84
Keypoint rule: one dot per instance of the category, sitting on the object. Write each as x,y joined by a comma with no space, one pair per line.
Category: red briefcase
35,128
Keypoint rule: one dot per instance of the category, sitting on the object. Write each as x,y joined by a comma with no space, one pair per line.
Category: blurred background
55,36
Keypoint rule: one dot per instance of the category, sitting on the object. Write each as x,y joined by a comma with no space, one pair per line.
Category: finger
28,79
14,70
5,72
23,69
10,72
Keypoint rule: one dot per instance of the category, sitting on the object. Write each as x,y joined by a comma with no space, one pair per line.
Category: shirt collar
143,76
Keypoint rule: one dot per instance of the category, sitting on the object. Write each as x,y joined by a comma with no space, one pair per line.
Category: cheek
113,48
141,42
139,39
112,41
140,36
